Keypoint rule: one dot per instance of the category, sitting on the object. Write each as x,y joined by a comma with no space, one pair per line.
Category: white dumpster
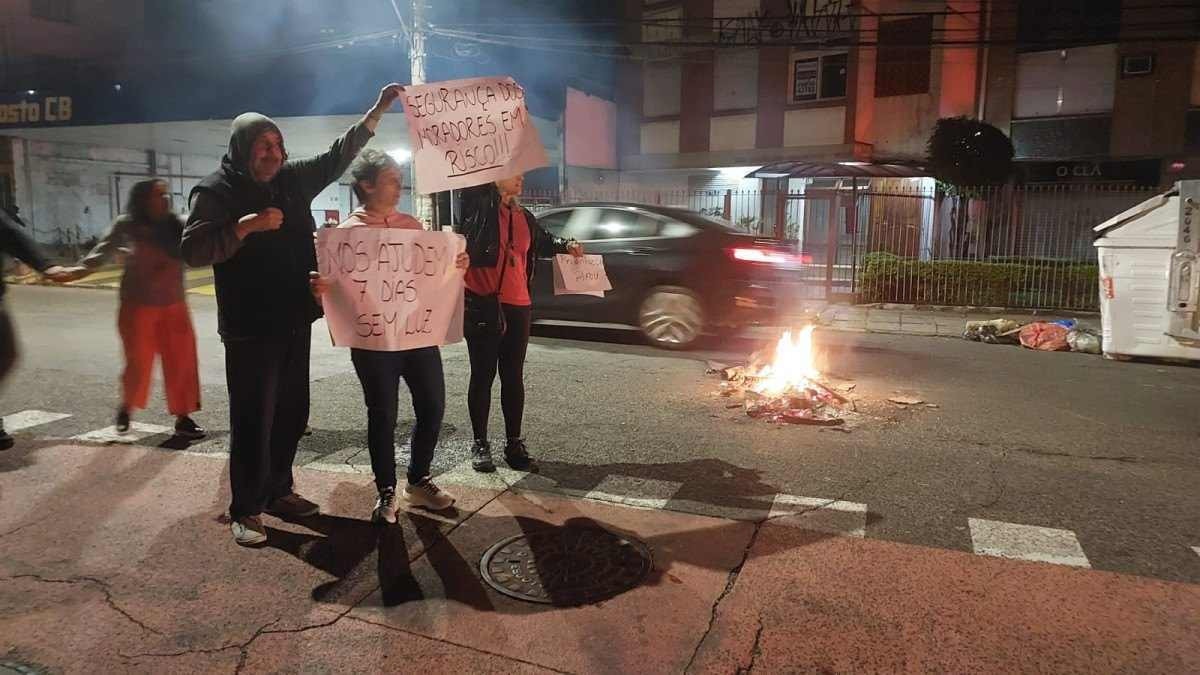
1150,277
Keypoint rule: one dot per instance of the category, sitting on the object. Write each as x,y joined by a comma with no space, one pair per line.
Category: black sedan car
675,274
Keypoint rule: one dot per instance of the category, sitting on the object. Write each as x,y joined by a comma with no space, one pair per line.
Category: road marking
644,492
199,273
31,418
210,289
1026,542
98,277
138,431
833,516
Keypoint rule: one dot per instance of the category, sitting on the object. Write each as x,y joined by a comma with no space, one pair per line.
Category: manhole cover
566,566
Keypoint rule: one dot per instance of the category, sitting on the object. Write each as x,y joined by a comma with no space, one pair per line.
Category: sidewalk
114,560
928,321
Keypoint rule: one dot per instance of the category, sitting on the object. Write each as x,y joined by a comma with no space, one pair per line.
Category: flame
792,366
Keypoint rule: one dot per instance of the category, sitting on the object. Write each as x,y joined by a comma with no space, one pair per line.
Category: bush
1033,284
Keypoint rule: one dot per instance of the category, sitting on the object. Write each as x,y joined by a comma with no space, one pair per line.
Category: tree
965,153
966,156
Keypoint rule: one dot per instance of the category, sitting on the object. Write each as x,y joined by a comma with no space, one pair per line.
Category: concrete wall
71,193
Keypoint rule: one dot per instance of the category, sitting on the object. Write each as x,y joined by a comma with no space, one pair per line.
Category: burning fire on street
783,385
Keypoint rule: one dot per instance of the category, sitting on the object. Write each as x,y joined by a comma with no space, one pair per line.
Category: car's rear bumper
754,302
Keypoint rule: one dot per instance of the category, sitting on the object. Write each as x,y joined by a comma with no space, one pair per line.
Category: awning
839,170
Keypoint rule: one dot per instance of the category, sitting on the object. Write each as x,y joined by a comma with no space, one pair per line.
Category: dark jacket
480,224
14,242
262,280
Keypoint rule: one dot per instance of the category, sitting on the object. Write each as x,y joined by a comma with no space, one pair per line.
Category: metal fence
903,241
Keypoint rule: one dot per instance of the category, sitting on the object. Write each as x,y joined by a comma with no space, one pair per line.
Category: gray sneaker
248,531
385,506
428,495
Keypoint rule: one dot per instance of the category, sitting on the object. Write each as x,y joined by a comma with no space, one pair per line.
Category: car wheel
671,318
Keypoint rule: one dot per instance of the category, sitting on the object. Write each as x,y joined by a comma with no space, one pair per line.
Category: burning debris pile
782,385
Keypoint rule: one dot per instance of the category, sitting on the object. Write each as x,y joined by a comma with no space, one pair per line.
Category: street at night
1083,465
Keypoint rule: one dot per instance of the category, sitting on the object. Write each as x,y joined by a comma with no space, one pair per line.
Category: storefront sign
34,110
1140,172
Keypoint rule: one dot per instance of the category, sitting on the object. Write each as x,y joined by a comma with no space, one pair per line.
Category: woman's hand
462,261
575,248
318,285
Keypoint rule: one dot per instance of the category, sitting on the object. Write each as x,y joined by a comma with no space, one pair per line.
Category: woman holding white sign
378,185
502,240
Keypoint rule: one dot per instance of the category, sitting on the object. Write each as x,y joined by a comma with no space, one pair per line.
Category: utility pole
422,204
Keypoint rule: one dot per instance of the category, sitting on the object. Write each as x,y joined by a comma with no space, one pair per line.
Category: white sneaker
248,531
428,495
385,506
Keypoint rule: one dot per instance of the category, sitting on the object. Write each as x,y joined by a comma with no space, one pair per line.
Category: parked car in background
676,274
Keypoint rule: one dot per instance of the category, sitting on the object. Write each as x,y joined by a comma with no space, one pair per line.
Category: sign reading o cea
49,109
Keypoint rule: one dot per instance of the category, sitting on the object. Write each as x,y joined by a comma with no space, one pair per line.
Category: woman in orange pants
154,318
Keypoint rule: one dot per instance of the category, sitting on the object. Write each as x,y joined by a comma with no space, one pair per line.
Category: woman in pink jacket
378,185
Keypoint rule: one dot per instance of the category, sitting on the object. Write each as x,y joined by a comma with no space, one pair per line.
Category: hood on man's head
242,134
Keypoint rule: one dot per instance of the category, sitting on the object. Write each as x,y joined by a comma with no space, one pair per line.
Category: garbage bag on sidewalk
991,332
1084,340
1046,337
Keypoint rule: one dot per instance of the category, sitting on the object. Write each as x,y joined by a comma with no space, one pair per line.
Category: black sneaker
6,439
122,421
517,456
481,457
186,427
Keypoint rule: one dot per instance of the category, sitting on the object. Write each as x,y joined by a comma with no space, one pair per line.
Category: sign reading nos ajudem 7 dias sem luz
470,132
391,289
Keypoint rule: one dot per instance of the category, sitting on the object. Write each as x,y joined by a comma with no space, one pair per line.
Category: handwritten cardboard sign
584,275
392,289
470,132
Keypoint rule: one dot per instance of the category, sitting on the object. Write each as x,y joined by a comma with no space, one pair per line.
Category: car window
555,223
677,229
623,224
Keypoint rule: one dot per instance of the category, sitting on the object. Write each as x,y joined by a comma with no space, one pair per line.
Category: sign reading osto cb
391,290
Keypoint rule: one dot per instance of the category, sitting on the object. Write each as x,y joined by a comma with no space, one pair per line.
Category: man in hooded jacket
252,221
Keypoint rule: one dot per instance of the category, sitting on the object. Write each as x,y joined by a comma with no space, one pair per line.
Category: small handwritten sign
584,275
470,132
391,289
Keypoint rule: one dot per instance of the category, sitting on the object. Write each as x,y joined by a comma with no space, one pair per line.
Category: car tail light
765,256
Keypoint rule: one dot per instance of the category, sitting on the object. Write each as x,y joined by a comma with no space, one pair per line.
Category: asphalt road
1105,451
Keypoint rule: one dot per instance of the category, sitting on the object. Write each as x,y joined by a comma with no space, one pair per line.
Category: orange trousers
148,331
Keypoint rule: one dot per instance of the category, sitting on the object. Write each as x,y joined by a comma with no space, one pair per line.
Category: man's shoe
186,427
428,495
385,506
122,422
248,531
294,506
517,455
481,457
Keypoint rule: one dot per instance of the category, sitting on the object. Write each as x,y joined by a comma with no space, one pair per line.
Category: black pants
268,410
380,373
508,353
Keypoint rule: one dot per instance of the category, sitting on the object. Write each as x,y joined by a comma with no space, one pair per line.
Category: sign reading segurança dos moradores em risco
470,132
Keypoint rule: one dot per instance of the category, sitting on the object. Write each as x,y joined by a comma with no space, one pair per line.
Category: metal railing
906,242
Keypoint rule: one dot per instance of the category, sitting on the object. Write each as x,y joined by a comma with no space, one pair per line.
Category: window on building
661,83
1054,24
1077,81
53,10
736,79
903,58
818,77
663,25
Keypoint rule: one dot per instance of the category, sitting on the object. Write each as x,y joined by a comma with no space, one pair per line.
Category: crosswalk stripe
210,289
631,491
31,418
201,273
1026,542
138,431
832,516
